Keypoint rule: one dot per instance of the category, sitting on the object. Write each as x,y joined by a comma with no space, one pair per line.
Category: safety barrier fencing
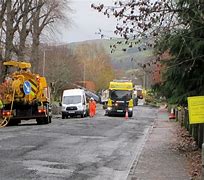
195,130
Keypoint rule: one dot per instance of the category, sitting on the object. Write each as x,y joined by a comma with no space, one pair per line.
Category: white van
74,103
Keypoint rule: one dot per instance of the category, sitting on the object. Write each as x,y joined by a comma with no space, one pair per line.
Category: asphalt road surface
98,148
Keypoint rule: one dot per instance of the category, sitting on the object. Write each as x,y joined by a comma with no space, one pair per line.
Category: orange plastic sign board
196,109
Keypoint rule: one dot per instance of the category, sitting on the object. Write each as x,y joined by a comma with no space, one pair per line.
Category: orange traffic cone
172,115
126,115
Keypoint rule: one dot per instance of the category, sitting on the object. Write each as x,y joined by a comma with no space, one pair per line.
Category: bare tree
96,64
24,28
141,19
12,20
9,31
2,14
46,13
62,68
2,11
21,20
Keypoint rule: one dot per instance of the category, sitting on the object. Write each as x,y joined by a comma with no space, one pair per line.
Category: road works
76,148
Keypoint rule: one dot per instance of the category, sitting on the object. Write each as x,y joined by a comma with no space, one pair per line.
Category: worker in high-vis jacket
92,107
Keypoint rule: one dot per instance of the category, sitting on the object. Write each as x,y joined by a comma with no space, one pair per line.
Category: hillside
121,59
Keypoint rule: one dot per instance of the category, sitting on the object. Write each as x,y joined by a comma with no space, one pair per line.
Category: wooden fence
195,130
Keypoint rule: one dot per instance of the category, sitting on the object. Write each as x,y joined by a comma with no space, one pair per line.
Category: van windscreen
71,99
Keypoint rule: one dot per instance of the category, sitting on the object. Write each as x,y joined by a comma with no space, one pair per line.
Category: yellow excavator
24,95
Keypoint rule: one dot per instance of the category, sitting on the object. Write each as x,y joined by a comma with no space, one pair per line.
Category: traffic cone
126,115
172,115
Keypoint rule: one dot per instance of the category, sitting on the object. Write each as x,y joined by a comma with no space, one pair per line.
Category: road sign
26,87
196,109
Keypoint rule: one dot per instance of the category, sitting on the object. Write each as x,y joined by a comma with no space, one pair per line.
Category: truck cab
120,98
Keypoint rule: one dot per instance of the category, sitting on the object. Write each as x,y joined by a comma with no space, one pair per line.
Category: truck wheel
39,121
14,122
50,119
107,113
46,120
130,114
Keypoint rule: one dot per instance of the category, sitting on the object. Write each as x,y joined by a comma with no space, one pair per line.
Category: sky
86,22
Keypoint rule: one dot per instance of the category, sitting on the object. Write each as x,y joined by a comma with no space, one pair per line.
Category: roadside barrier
195,130
172,114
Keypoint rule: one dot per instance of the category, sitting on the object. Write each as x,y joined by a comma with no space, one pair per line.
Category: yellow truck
25,95
120,98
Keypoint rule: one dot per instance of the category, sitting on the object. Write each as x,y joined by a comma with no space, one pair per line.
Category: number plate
71,112
119,110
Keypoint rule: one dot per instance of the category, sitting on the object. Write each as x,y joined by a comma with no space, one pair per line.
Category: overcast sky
86,22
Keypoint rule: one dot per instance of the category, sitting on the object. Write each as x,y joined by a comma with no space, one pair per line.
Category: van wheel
87,112
85,115
63,116
107,113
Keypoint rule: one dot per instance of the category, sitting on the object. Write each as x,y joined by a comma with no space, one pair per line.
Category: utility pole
84,76
145,80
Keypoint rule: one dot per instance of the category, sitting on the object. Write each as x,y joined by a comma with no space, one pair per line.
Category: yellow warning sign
196,109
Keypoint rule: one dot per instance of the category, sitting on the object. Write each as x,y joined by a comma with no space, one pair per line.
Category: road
96,148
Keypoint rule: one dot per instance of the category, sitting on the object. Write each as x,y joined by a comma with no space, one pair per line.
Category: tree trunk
9,32
9,35
24,31
35,38
35,53
1,68
2,14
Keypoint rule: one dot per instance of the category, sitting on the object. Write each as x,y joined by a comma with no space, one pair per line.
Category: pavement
158,160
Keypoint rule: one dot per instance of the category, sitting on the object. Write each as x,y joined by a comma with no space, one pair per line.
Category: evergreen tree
184,72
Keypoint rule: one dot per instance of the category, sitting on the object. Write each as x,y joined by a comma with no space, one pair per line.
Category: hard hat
92,98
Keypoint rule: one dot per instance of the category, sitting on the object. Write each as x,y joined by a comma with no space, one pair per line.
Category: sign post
196,109
26,87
